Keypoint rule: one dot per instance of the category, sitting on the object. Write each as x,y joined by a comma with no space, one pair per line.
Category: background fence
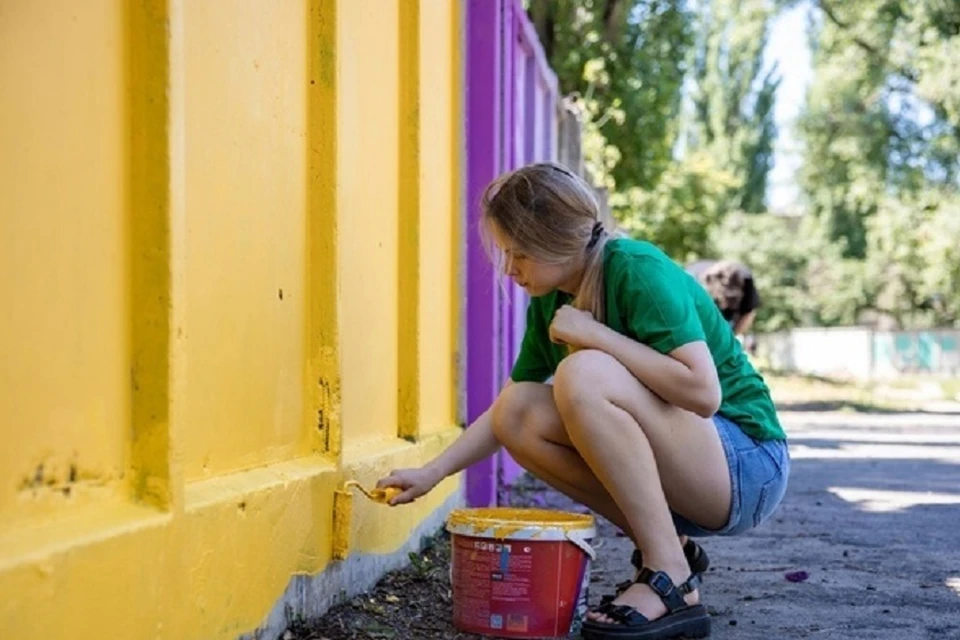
862,353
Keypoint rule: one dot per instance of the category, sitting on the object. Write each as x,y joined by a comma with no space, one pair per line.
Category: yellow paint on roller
504,521
342,511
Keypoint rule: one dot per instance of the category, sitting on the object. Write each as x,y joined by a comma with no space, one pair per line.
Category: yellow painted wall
230,234
439,235
367,155
65,384
245,207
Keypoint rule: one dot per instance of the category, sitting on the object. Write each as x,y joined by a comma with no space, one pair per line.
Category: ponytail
591,295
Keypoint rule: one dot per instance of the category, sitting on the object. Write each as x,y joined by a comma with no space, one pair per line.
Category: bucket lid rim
488,518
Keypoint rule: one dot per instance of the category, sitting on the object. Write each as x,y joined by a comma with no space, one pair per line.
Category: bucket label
516,588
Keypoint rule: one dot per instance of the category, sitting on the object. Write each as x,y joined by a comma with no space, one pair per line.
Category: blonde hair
552,215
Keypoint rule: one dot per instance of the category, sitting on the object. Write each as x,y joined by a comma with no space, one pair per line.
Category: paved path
872,515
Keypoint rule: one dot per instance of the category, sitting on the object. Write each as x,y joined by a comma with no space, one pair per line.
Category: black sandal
696,558
680,621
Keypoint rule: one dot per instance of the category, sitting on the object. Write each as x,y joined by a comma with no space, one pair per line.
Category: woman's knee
583,376
587,377
519,413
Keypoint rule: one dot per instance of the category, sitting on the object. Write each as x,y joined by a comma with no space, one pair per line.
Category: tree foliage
677,103
801,276
912,270
680,212
628,58
882,116
733,95
881,133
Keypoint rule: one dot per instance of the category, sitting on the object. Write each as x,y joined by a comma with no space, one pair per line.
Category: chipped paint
64,479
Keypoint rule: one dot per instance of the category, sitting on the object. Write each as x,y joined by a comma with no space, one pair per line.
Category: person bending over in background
731,286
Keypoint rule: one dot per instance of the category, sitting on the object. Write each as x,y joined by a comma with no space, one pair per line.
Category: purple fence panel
534,83
511,106
484,113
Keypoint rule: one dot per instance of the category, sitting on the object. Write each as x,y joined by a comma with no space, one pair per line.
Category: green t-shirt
650,299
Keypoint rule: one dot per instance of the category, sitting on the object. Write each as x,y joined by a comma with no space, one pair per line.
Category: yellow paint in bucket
520,573
503,521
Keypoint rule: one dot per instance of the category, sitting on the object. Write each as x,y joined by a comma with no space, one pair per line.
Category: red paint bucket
520,573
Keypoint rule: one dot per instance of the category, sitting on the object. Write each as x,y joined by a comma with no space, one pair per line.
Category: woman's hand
413,482
574,327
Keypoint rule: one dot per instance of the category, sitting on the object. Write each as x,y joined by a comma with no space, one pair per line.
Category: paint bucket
520,573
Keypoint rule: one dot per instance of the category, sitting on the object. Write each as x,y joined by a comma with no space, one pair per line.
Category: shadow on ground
872,516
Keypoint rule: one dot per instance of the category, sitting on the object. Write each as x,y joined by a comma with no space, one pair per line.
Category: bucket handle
580,538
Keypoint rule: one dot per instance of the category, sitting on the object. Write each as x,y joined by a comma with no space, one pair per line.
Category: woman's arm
474,444
742,326
686,378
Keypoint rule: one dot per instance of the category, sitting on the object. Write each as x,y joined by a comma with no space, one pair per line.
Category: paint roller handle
412,483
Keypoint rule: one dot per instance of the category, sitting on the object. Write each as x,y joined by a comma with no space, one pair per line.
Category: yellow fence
229,239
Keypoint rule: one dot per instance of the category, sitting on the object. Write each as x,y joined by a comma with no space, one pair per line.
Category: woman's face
537,278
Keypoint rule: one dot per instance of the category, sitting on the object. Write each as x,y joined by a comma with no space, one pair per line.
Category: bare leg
660,454
526,422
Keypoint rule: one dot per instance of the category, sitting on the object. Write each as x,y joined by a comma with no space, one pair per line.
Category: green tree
677,107
941,282
733,95
680,212
913,274
728,136
883,115
627,60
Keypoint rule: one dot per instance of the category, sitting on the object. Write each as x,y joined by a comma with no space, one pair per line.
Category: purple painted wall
511,121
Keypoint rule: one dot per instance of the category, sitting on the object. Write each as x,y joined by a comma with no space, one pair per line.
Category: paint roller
381,496
343,507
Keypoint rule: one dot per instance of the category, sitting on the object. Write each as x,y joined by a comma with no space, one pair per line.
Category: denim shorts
758,480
